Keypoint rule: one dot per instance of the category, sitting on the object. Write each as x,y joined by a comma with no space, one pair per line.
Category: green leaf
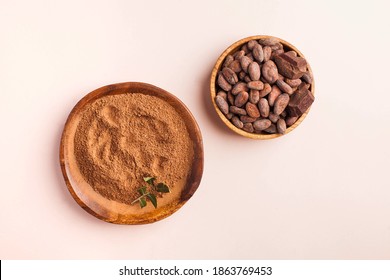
162,188
142,202
149,180
142,190
153,199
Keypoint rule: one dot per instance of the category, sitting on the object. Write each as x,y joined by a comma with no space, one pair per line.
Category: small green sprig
145,192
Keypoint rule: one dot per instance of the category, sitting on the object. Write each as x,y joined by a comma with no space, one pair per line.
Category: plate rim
195,176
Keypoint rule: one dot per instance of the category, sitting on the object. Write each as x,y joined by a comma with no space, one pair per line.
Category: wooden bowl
110,210
230,50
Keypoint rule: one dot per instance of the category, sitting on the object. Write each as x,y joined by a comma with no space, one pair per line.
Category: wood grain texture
230,50
115,212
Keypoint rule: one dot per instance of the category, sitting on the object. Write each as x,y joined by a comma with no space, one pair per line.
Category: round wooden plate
113,211
218,65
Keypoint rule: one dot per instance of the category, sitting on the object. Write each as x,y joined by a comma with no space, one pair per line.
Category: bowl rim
218,65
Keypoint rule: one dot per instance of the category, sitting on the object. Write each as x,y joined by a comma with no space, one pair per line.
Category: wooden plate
230,50
110,210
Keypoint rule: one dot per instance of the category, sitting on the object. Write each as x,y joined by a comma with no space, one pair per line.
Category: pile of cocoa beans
263,88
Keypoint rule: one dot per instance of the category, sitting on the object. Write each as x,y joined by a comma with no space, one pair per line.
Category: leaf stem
139,198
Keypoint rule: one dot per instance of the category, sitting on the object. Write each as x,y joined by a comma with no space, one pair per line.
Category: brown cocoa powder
122,138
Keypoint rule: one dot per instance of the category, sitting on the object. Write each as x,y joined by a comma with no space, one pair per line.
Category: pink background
321,192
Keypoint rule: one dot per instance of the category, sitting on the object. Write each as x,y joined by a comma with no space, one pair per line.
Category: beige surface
319,192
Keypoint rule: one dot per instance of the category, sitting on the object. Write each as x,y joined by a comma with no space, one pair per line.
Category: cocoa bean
267,89
254,96
273,117
223,83
254,71
235,66
277,46
291,120
237,123
292,53
258,53
258,85
239,87
303,85
230,98
293,83
229,75
264,107
228,60
241,75
281,126
237,55
245,61
262,124
222,94
281,103
245,48
284,87
275,92
268,41
241,99
263,79
251,110
269,71
248,127
276,53
236,110
271,129
307,78
222,104
267,53
247,119
251,44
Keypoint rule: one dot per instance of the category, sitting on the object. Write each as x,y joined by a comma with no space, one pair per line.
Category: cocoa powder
122,138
